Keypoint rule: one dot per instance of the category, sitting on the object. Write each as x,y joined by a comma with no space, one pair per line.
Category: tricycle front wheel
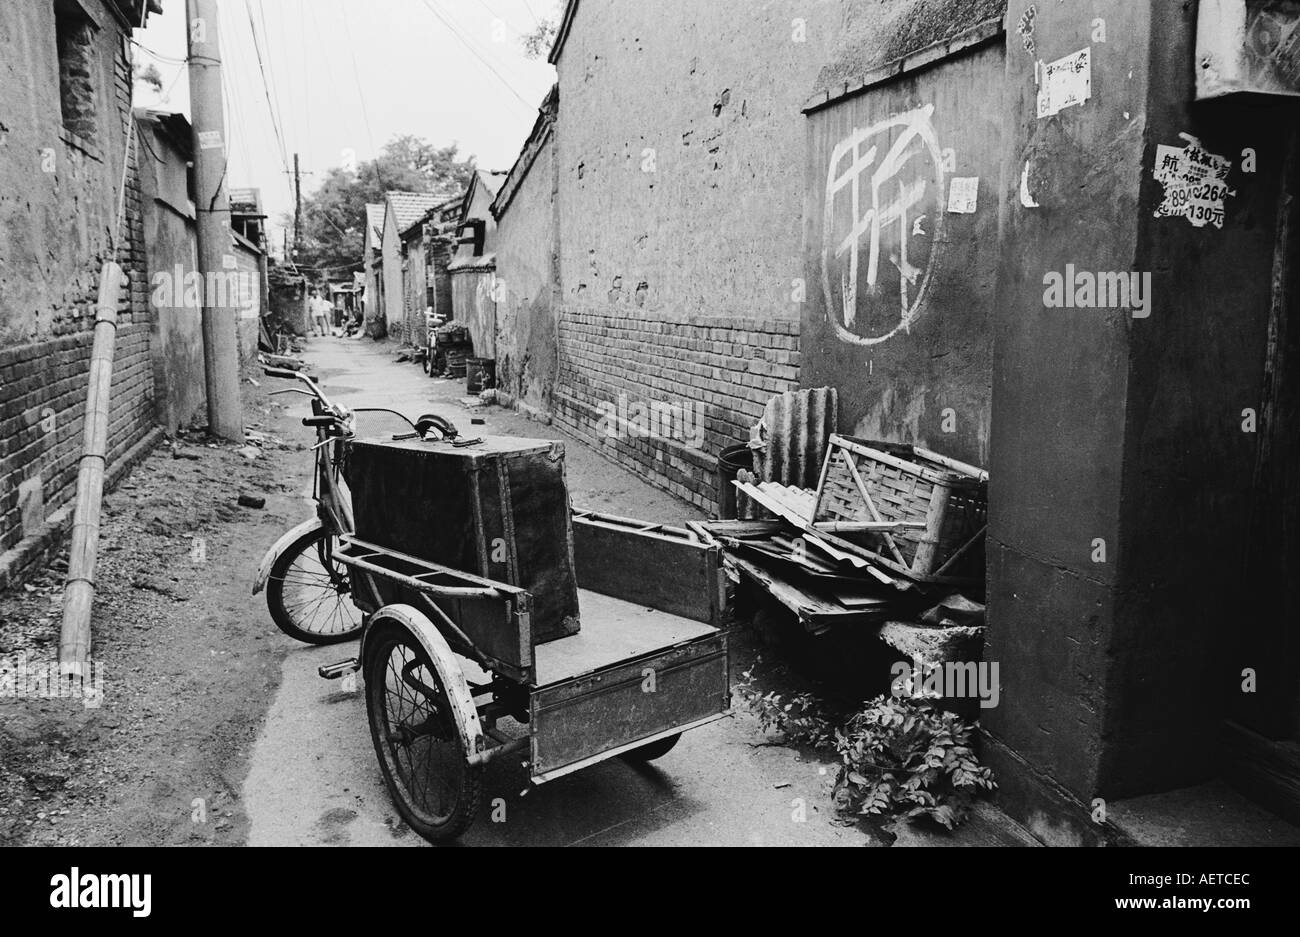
309,592
413,725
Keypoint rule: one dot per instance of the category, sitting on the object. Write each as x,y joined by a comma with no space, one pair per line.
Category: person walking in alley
320,314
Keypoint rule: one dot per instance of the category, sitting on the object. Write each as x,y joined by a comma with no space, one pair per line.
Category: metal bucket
480,375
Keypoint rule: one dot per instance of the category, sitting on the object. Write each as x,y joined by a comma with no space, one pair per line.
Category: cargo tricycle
494,621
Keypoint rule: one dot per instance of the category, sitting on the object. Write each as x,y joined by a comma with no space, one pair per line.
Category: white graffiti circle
902,224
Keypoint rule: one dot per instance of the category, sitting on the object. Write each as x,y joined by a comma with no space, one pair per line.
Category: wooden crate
498,509
907,483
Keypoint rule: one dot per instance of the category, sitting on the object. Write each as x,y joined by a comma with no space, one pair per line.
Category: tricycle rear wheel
412,723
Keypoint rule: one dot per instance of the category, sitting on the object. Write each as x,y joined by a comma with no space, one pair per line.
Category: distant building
473,266
427,247
401,210
372,260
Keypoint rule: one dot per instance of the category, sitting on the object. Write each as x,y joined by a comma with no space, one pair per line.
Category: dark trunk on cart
498,508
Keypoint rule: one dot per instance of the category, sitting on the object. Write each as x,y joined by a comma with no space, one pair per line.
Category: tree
537,42
334,216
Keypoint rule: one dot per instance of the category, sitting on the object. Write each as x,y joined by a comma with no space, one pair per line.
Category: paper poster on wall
1195,183
210,140
963,195
1067,82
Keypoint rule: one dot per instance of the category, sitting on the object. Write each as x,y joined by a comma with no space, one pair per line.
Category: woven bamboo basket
947,501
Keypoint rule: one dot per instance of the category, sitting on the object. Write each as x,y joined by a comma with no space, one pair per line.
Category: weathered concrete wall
1120,472
374,270
415,281
171,248
1059,393
473,303
1189,468
527,242
248,261
391,318
58,207
680,207
898,312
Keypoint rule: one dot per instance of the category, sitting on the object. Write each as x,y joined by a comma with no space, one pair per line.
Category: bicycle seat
446,429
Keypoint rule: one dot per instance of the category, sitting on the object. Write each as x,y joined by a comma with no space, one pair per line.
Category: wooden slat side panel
582,718
665,573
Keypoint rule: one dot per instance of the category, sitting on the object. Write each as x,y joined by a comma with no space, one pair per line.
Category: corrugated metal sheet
796,430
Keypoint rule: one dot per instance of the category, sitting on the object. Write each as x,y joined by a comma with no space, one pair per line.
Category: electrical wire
464,41
266,86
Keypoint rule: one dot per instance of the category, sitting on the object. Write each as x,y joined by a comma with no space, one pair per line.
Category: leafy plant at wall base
802,719
903,756
897,755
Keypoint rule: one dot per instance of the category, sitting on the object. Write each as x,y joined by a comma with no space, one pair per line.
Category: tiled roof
375,218
409,207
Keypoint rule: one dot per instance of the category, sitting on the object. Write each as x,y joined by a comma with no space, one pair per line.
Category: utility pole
297,204
220,341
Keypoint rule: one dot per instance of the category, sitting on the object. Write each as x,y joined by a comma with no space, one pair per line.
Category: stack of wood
888,532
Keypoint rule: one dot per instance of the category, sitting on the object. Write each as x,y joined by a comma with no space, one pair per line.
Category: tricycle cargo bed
632,674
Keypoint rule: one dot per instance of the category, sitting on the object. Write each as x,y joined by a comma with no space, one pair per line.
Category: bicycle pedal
339,670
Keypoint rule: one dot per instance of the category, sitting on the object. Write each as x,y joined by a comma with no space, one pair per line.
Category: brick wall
725,368
680,169
58,206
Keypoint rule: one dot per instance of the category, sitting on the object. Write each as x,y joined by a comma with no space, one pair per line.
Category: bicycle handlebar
288,374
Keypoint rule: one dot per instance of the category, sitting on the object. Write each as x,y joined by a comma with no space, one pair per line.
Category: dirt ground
186,669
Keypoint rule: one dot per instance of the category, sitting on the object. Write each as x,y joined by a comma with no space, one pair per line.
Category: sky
346,76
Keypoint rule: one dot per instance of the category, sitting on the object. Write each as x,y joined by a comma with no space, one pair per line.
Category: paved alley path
313,778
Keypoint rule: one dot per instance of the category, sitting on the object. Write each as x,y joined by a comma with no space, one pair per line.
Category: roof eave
562,33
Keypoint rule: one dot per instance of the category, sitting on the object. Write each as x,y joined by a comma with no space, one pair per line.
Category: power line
270,64
361,96
275,124
465,42
244,68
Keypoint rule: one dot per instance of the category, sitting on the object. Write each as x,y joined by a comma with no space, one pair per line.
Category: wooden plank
740,530
817,613
613,631
861,527
976,473
676,574
581,720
